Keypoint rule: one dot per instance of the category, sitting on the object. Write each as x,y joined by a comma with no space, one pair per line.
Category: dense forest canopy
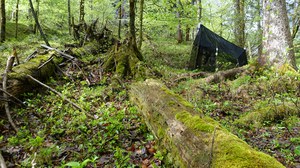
105,83
160,18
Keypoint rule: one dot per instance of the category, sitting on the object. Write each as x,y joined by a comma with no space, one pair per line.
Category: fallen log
190,138
17,80
223,75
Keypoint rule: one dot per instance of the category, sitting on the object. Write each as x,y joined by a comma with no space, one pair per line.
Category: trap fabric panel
210,41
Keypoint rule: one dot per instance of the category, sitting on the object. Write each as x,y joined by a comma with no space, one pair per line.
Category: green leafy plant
81,164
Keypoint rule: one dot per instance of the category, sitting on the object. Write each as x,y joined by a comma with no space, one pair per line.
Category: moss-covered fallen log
190,138
41,67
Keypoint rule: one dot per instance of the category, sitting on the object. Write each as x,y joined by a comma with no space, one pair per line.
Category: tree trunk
296,19
37,12
239,30
199,10
81,11
69,17
259,27
141,24
120,19
38,24
17,19
132,35
179,30
191,138
277,41
187,33
2,21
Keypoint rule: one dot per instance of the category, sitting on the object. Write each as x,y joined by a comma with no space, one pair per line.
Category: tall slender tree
120,19
141,24
37,13
277,41
178,15
69,17
81,11
132,35
37,23
2,20
17,19
239,20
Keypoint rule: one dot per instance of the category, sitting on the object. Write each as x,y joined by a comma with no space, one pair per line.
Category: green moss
268,113
230,151
180,99
195,122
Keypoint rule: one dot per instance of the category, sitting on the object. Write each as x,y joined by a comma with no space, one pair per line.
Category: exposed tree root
2,161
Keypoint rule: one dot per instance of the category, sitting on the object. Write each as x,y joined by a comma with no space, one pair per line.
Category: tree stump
190,138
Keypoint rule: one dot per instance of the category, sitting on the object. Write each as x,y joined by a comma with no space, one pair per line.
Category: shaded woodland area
106,83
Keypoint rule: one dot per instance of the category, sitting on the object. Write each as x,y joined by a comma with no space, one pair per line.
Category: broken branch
8,68
60,52
59,94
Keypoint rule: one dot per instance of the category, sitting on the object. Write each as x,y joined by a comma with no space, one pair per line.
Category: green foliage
159,155
82,164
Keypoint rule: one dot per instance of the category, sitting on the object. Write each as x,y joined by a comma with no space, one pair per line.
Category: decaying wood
188,136
2,161
223,75
191,76
17,81
8,68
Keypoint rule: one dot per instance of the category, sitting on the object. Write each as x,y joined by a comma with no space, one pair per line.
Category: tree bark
2,21
38,24
190,138
17,18
277,41
141,24
239,30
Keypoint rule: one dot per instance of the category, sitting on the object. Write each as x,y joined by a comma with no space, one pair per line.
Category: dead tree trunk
38,24
41,67
190,138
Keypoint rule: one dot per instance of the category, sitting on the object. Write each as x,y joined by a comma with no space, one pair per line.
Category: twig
12,96
2,161
5,96
60,52
212,148
31,56
45,63
59,94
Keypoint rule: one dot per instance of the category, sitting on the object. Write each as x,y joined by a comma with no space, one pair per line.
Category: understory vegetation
260,106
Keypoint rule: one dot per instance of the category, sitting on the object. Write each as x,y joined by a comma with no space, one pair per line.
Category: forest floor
261,108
